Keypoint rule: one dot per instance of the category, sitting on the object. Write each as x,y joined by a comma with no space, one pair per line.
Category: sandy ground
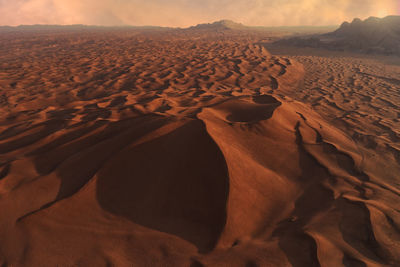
127,148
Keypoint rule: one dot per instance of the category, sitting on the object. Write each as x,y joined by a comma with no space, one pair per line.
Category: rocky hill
373,35
220,25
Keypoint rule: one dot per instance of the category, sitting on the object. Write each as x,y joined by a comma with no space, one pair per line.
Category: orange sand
180,148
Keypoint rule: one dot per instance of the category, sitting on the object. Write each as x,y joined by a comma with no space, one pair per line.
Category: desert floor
180,148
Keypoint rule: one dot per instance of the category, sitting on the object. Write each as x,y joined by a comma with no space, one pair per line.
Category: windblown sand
124,148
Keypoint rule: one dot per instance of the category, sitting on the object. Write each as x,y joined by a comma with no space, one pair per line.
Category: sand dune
179,148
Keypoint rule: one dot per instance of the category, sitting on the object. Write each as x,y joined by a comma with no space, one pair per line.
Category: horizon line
176,27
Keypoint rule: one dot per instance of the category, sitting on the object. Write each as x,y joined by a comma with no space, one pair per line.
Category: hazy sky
184,13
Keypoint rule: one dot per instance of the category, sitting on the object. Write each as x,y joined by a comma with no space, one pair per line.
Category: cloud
189,12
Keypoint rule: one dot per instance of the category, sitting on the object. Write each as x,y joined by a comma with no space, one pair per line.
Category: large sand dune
180,148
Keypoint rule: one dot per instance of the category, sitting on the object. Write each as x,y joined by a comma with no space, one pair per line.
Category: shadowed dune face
156,184
241,111
191,148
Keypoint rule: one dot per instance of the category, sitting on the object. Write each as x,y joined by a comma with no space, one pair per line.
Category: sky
184,13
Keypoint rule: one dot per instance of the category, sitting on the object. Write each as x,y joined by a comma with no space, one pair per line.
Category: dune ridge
173,149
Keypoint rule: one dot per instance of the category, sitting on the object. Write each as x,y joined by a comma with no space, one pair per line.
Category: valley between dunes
185,148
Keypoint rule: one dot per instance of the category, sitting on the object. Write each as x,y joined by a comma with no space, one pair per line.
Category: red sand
124,148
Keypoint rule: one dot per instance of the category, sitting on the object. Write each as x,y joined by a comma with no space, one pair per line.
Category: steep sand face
179,149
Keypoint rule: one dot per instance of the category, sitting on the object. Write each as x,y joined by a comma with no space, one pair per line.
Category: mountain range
372,35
